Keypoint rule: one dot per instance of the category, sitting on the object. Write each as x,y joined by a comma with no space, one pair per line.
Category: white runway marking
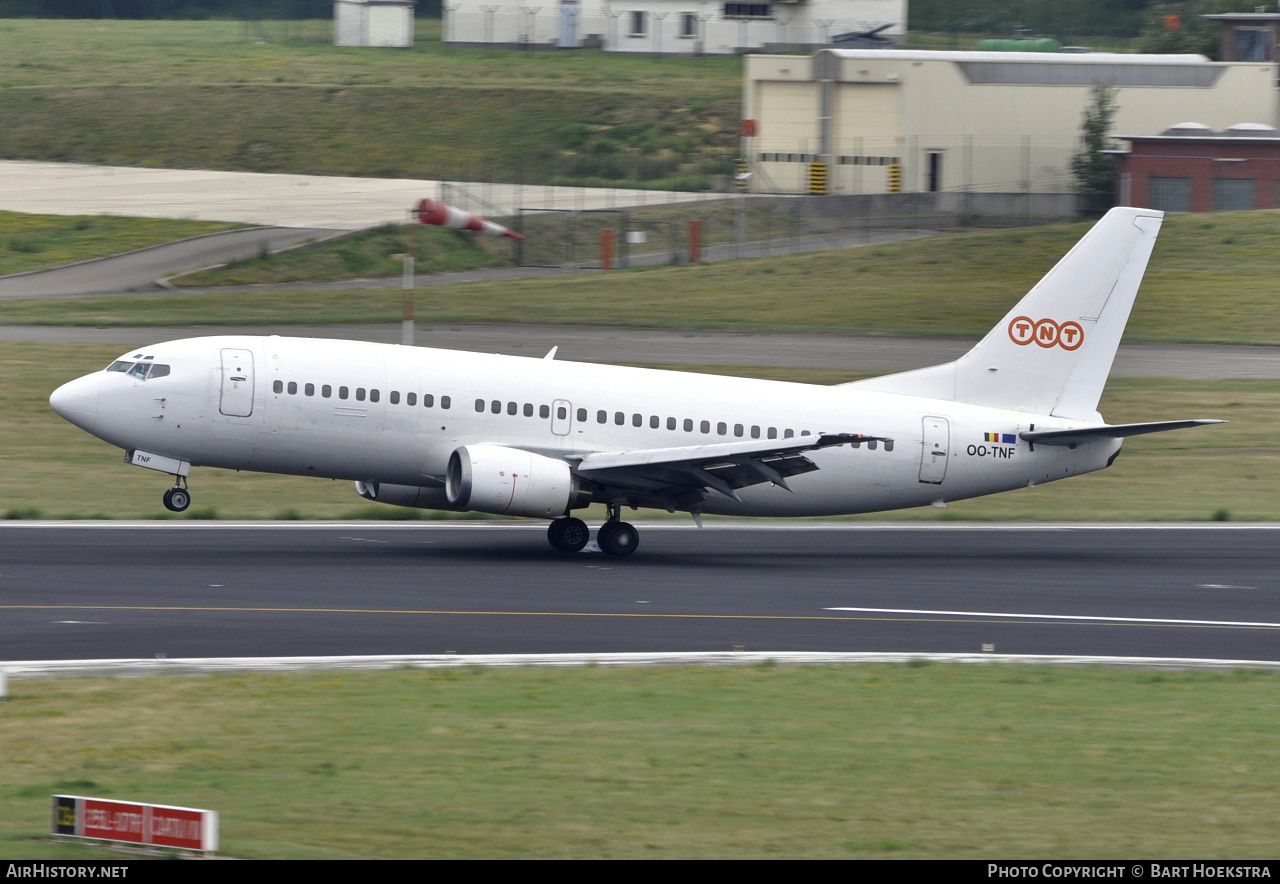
1079,618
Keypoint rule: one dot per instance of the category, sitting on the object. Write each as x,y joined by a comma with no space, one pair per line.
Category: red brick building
1191,168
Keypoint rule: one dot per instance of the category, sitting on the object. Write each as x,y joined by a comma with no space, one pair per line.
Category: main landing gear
616,537
177,498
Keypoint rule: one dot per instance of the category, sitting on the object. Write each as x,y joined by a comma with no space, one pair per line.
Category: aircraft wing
680,477
1081,435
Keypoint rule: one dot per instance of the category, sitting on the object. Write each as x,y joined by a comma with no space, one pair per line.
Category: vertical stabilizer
1051,354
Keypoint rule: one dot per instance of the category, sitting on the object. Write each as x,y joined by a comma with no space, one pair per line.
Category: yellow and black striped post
818,179
740,177
895,178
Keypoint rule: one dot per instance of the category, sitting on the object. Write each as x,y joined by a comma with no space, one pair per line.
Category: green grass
925,761
370,253
1212,472
198,94
1211,280
31,242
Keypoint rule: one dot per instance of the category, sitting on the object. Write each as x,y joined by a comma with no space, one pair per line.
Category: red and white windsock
432,212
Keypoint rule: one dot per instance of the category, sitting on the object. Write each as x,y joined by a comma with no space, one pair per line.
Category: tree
1095,171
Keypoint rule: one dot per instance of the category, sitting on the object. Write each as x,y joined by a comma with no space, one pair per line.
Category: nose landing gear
177,498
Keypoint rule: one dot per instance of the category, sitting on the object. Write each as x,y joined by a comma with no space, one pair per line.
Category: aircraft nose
77,402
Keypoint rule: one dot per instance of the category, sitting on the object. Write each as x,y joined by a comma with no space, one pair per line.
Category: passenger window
582,415
888,445
343,392
512,408
755,432
277,387
722,428
619,418
671,423
373,395
326,391
637,420
293,388
602,417
395,397
688,425
705,426
773,432
804,432
479,405
309,389
428,400
360,393
444,402
410,398
787,434
528,409
737,429
495,406
871,444
653,421
561,413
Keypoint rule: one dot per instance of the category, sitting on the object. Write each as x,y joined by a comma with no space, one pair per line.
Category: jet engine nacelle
508,481
404,495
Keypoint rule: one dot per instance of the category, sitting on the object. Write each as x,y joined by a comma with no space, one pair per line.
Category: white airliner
443,429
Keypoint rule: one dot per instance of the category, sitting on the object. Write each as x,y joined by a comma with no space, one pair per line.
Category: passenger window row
372,395
497,406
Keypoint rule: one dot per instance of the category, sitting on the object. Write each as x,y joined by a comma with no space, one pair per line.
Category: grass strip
925,761
33,242
1211,280
214,95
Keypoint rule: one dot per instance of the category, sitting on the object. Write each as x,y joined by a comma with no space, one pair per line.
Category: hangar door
866,122
790,132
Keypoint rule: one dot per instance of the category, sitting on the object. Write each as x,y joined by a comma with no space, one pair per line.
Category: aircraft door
933,453
237,383
561,417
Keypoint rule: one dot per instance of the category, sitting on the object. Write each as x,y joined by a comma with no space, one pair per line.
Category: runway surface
111,590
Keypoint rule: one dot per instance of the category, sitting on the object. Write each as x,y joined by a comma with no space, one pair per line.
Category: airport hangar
850,121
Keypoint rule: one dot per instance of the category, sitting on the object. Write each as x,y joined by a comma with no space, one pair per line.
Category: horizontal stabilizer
1081,435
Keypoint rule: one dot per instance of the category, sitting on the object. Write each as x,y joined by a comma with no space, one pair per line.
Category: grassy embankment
198,94
1211,279
1214,472
868,761
33,242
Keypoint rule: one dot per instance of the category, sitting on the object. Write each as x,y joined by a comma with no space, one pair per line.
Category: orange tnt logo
1046,333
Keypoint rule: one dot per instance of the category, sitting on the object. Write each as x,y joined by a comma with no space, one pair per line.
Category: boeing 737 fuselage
453,430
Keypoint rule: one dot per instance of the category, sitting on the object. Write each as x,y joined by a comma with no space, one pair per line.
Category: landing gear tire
177,499
618,538
568,535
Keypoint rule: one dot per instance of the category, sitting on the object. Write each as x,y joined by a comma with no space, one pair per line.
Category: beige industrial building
877,121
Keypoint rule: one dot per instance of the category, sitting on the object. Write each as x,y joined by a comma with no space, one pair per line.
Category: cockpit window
140,370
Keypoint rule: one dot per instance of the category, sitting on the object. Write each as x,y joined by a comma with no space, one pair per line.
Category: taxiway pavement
853,353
